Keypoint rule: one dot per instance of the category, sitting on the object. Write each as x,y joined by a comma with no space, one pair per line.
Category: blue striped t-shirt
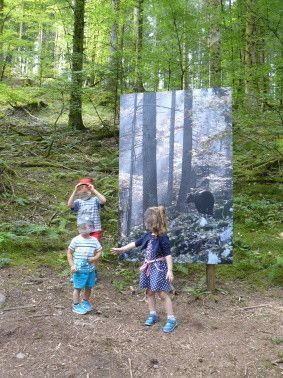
88,213
83,249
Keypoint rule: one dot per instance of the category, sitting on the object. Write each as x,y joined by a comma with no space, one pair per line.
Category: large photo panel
176,151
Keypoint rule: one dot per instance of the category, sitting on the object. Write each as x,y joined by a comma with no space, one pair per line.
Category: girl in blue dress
156,272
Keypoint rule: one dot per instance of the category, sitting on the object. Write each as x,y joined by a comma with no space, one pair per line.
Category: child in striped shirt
83,253
86,202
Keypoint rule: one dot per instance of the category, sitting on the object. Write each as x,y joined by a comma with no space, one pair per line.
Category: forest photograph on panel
176,151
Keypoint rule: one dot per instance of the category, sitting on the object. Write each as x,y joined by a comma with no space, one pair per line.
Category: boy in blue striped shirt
83,253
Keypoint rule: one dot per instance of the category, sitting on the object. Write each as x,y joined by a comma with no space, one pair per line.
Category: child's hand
91,187
73,268
117,250
92,260
170,276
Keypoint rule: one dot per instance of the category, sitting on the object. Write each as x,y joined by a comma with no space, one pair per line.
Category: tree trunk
186,177
214,43
116,60
138,22
75,113
253,49
111,83
2,59
120,68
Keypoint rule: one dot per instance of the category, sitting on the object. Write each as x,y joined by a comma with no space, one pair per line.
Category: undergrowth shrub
257,212
275,271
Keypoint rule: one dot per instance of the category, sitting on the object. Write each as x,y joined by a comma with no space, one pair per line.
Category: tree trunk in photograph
75,112
138,23
132,162
186,175
171,151
214,43
149,151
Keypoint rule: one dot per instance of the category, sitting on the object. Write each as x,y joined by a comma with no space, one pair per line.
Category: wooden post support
210,276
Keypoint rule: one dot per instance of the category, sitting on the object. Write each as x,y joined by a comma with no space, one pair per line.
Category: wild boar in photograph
204,201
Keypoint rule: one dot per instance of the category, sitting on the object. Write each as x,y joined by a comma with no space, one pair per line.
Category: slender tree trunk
117,60
2,59
75,113
186,66
38,55
214,43
138,22
180,49
252,50
186,176
149,151
111,83
157,63
20,60
121,50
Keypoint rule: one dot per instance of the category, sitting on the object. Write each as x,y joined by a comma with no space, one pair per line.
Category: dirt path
234,333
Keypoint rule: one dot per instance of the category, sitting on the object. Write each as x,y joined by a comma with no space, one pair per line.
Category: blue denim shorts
82,280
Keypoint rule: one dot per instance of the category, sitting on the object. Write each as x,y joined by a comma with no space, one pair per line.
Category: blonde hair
155,220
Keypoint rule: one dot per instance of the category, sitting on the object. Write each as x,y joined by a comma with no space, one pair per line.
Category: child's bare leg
167,302
76,295
87,293
151,300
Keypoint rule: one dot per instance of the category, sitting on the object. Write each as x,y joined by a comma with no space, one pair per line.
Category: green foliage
196,292
18,96
275,271
276,340
109,164
257,211
181,268
125,278
4,261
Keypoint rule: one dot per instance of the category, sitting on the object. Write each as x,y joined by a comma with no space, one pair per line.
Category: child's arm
70,260
72,197
169,274
126,248
100,196
95,258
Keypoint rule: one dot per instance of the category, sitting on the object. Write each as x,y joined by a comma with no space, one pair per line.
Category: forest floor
232,333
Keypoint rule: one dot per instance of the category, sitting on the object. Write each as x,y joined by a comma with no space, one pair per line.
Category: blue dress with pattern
155,247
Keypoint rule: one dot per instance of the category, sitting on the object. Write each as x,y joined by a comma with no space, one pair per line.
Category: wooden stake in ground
210,277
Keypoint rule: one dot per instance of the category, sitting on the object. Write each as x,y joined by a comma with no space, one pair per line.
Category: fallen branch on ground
18,308
251,307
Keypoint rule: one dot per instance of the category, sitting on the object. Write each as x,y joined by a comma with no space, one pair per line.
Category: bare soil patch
233,333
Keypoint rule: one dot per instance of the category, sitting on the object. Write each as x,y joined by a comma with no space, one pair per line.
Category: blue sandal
86,305
152,319
170,325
